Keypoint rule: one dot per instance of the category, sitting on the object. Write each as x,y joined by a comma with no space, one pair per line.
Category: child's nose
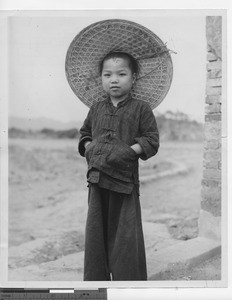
114,79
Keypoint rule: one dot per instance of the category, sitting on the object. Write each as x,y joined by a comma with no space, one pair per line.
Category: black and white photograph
114,148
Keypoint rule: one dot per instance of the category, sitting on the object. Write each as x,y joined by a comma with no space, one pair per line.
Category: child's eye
122,74
106,75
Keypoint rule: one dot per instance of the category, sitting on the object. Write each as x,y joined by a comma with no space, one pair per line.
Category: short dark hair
133,63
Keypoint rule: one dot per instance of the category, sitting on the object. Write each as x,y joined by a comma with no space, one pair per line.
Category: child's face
117,78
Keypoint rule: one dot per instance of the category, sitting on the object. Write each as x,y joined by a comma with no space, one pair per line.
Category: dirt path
175,199
48,197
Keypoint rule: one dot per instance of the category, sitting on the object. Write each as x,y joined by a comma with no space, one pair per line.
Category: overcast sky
38,43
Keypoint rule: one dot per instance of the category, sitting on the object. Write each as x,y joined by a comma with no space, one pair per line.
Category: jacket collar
122,103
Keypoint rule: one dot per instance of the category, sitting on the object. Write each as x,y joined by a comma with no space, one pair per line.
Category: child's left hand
137,148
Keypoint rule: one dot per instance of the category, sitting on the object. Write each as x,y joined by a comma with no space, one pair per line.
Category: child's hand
137,148
87,143
122,156
88,150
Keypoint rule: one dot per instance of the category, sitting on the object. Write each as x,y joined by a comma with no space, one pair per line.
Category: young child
116,133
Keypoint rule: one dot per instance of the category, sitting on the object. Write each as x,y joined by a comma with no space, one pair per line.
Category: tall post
210,214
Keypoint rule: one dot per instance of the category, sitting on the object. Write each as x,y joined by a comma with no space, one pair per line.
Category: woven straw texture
91,45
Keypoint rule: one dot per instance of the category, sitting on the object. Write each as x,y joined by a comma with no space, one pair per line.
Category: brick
211,56
212,144
213,99
214,34
213,117
212,174
213,108
210,90
214,65
212,130
213,187
214,73
212,205
209,48
211,199
212,155
211,164
214,82
211,194
211,183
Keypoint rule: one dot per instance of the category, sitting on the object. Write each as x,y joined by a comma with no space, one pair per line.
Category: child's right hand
89,146
87,143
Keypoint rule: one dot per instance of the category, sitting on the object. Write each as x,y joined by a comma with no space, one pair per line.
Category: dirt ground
48,196
208,270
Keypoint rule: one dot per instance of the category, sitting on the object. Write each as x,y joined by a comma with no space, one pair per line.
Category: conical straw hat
91,45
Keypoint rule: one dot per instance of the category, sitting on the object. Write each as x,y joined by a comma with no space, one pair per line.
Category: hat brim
91,45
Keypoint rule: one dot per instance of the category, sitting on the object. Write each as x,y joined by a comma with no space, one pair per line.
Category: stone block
211,90
214,34
212,155
212,145
211,56
214,65
212,130
214,82
211,183
213,99
214,188
213,117
220,165
211,201
214,73
213,108
212,174
213,164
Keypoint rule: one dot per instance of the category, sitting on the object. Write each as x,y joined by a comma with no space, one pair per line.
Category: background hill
40,123
175,126
178,127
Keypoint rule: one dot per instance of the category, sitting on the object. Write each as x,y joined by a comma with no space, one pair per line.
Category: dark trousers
114,240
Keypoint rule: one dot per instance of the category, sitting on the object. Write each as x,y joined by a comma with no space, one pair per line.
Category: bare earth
48,198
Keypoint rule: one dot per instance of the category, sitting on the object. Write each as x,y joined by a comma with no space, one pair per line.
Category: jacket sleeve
85,133
149,135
